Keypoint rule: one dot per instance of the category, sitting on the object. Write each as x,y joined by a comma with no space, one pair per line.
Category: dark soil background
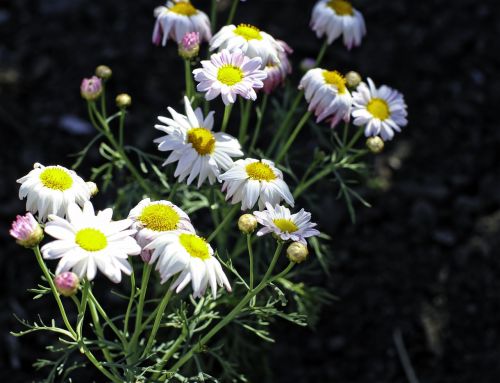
421,265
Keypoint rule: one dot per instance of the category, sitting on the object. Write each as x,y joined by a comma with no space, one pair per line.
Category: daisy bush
209,235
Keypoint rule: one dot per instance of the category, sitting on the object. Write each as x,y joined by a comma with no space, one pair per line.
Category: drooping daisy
50,190
198,150
230,74
86,242
382,110
277,72
154,218
191,258
327,95
278,220
250,40
338,17
178,18
250,180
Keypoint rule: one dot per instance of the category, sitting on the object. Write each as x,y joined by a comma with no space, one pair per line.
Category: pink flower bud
67,283
91,88
26,231
190,45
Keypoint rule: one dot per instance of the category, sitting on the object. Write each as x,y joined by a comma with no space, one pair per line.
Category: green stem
156,325
232,12
321,53
130,301
304,186
103,100
289,142
232,314
166,357
245,118
106,318
355,138
250,260
82,310
229,216
227,113
260,118
188,78
121,126
213,15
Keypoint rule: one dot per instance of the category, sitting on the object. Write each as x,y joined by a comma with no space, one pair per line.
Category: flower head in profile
26,230
178,18
51,189
86,242
251,180
278,72
250,40
91,88
190,45
199,152
189,258
230,74
334,18
154,218
327,95
279,221
382,110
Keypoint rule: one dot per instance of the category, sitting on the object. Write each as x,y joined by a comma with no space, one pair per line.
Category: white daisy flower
278,220
250,180
230,74
382,110
51,189
198,150
277,73
86,242
327,95
250,40
191,258
338,17
178,18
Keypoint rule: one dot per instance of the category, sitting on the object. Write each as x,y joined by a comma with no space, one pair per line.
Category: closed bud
297,252
247,223
375,144
190,45
67,283
123,100
93,189
353,79
91,88
26,231
104,72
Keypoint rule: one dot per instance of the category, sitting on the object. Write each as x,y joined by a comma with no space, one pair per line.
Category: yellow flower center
378,108
195,246
341,7
159,217
56,178
229,75
248,32
91,239
335,79
260,171
285,225
184,8
202,139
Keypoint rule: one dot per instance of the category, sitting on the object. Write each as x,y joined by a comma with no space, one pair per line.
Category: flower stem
293,136
188,79
260,117
121,126
130,301
229,216
321,53
232,12
250,260
245,118
227,113
166,357
213,15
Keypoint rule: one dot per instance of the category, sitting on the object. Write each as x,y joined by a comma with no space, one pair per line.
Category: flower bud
91,88
297,252
123,100
353,79
104,72
190,45
247,223
375,144
307,64
67,283
26,231
93,189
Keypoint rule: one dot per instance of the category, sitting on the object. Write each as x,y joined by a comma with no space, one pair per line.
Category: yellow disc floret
91,239
378,108
159,217
184,8
336,79
260,171
202,139
229,75
341,7
56,178
286,225
195,246
248,32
